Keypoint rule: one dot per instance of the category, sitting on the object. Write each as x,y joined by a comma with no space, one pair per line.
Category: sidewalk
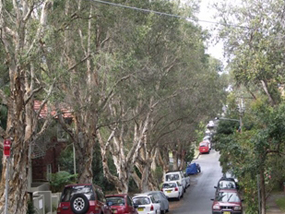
272,207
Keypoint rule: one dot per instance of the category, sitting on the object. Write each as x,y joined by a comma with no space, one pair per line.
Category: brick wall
39,165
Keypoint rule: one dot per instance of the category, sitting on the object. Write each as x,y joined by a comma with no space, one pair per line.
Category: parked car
226,183
211,124
187,179
207,137
121,204
193,169
227,201
83,199
204,147
161,198
172,189
176,176
146,204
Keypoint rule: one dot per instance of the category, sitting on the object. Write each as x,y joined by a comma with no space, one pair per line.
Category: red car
83,199
227,201
121,204
204,147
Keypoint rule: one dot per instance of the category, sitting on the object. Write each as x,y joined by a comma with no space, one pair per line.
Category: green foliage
200,131
60,179
98,175
158,174
255,51
66,159
257,149
190,153
250,194
281,203
30,208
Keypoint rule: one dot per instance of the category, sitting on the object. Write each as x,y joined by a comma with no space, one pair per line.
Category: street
197,199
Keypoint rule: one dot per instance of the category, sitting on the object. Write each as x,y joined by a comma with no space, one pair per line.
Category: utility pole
241,110
6,152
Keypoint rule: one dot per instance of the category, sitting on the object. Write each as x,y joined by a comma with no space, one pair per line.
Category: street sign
7,147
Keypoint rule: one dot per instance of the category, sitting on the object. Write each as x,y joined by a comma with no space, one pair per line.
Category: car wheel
161,211
178,198
79,204
184,189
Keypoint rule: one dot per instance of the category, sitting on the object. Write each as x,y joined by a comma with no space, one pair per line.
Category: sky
206,14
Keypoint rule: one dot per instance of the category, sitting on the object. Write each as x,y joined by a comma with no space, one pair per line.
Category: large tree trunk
19,45
20,129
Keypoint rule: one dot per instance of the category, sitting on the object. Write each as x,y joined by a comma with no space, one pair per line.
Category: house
46,150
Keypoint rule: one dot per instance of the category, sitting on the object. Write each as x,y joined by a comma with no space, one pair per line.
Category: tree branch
32,94
3,97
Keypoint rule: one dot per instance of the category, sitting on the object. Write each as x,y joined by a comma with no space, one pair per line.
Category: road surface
197,199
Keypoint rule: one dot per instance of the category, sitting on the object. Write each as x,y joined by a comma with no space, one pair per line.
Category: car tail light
176,189
58,210
151,208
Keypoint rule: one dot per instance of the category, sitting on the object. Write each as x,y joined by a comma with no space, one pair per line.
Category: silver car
161,198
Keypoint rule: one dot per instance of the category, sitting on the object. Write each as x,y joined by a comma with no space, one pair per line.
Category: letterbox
7,147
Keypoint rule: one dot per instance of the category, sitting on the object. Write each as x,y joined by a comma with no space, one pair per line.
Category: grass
281,203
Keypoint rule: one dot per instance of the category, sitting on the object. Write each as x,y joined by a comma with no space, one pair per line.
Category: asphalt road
197,199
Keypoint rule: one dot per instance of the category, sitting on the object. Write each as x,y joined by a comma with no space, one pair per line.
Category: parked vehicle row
227,199
90,199
175,184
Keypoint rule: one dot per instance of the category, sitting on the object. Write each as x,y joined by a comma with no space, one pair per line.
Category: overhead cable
150,11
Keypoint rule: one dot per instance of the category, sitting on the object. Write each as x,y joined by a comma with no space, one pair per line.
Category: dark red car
121,204
227,201
83,199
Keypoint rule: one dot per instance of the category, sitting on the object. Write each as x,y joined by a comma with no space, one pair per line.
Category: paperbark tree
163,65
23,52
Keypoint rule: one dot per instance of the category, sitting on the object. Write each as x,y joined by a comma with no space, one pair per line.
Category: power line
151,11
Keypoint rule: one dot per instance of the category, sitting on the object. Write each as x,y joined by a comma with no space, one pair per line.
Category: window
129,201
61,134
49,171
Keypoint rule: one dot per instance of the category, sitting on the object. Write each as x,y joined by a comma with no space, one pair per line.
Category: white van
176,176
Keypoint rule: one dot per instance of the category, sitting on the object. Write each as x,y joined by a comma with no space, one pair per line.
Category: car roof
155,191
228,190
117,195
141,195
85,184
166,182
173,171
226,179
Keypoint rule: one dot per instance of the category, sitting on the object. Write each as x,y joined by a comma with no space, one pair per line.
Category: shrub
31,209
60,179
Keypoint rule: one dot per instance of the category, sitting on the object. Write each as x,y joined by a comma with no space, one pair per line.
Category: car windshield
172,177
116,200
228,197
169,185
227,185
141,200
69,192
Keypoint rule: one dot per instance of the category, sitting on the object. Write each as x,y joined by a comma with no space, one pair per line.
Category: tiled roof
66,110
